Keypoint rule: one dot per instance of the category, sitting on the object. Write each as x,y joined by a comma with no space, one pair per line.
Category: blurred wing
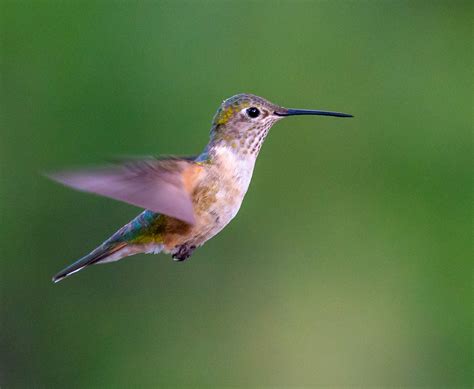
161,185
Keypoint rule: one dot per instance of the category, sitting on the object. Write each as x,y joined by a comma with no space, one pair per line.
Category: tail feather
99,254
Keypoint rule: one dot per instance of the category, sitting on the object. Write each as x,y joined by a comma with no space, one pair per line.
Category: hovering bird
186,200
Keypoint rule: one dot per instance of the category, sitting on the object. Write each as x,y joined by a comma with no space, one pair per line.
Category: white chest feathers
234,173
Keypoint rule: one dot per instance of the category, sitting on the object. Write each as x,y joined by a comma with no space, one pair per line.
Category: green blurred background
350,261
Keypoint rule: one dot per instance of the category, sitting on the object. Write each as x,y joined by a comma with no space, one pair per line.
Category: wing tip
190,219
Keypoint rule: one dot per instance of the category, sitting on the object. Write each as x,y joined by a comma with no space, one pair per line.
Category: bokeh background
350,261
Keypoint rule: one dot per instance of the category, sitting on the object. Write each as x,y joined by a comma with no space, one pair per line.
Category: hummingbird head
243,121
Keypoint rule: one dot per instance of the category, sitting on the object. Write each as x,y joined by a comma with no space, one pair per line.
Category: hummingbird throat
245,140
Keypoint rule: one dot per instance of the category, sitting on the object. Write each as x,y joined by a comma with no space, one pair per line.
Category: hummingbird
186,200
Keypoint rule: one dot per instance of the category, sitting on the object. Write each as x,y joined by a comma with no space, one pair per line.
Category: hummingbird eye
253,112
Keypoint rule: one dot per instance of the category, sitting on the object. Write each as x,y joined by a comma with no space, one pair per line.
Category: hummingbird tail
100,254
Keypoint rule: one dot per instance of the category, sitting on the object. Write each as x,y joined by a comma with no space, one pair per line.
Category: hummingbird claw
184,252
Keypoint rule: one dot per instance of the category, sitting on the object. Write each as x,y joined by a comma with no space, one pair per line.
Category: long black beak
292,112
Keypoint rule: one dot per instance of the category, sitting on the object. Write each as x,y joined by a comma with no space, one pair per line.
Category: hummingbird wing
161,185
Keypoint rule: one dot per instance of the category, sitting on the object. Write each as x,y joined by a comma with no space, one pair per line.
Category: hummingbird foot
183,252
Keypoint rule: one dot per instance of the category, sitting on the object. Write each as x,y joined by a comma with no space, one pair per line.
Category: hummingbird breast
219,189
